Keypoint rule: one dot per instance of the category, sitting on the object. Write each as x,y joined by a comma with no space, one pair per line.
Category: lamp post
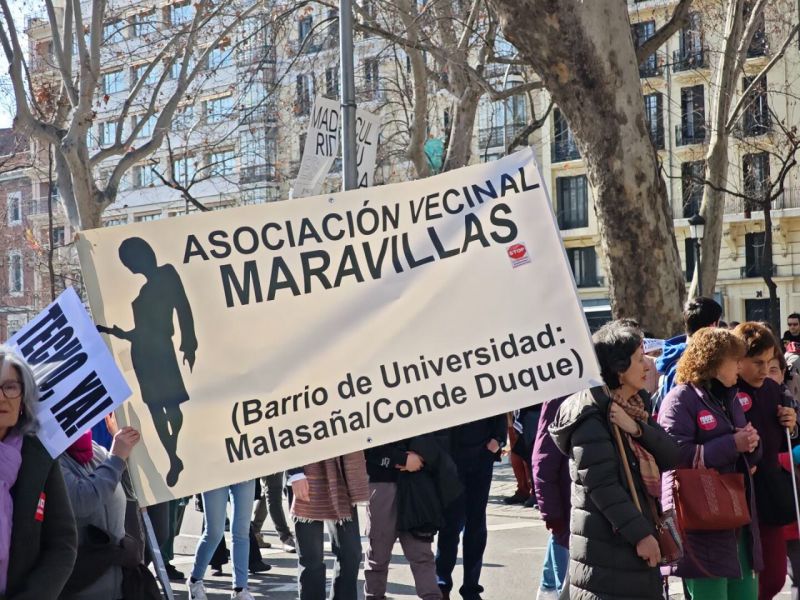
697,226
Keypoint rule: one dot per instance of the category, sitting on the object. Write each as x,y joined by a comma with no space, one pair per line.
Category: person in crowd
93,478
551,474
474,447
733,325
38,539
175,511
407,483
215,503
699,313
653,348
326,493
613,549
792,334
704,416
521,434
270,500
769,408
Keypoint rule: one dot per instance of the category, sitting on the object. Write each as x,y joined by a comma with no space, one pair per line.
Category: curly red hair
706,351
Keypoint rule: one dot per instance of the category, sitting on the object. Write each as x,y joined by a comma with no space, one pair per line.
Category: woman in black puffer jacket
613,550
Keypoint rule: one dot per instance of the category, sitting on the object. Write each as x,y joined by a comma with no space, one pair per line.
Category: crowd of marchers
678,468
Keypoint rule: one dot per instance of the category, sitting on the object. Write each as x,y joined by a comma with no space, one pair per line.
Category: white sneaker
547,595
243,595
197,590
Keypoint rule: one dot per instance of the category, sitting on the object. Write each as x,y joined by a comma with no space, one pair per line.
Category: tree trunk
774,317
459,149
584,54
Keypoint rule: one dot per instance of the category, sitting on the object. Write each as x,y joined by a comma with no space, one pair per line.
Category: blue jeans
215,504
554,570
466,514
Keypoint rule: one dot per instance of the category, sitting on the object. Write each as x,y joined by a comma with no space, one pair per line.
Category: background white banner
79,383
265,337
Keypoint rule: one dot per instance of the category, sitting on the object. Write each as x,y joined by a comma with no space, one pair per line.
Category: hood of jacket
576,409
673,350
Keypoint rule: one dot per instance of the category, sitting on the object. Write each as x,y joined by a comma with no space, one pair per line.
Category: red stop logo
517,251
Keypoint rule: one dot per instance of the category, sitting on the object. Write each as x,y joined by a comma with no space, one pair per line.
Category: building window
259,154
584,266
221,164
180,13
14,323
148,126
107,133
184,170
15,275
692,184
219,58
113,82
113,32
690,245
14,208
332,83
115,221
303,95
219,109
144,176
371,78
138,72
144,24
145,218
304,27
753,254
756,119
253,45
757,309
690,53
59,236
758,45
564,146
756,183
184,118
572,201
693,116
641,33
653,112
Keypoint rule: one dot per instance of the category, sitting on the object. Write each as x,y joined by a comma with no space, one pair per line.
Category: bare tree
174,46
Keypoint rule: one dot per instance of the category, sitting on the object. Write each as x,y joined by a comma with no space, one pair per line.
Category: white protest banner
321,147
79,383
367,131
266,337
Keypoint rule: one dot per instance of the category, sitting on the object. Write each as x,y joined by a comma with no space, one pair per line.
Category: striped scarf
648,468
335,485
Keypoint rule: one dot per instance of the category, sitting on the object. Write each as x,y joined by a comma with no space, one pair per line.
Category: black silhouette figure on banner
152,350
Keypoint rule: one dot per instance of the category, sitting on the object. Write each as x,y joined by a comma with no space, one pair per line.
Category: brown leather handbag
706,500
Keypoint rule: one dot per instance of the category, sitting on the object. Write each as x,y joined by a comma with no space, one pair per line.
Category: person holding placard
38,541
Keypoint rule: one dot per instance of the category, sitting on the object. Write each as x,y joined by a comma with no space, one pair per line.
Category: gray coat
605,524
97,499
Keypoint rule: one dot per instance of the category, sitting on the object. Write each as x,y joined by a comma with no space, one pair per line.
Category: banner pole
158,560
349,157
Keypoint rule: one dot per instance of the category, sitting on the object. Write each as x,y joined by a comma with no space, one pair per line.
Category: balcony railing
252,174
753,271
650,68
789,199
491,137
684,138
563,150
758,46
686,60
257,114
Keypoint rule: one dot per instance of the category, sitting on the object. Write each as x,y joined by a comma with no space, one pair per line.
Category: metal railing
563,150
753,271
698,136
491,137
789,199
684,60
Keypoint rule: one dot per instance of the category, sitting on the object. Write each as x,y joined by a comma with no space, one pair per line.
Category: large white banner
270,336
79,383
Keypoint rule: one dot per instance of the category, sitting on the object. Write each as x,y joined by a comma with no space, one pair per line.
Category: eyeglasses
12,389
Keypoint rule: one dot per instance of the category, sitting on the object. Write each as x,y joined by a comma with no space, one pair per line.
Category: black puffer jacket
606,525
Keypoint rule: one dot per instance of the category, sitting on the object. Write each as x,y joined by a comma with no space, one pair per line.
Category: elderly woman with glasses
38,541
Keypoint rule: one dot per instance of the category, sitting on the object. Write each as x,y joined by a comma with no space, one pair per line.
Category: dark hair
723,325
757,338
793,316
733,325
615,343
701,312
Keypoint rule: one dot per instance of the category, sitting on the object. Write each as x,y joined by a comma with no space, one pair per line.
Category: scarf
648,468
81,450
335,486
10,462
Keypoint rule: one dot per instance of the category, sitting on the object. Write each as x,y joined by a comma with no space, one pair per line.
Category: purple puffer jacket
692,417
551,475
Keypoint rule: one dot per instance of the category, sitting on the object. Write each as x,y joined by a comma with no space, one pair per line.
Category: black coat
606,525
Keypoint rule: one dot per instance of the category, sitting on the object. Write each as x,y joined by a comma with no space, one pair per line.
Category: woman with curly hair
703,415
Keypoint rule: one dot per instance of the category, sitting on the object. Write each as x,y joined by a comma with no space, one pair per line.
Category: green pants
719,588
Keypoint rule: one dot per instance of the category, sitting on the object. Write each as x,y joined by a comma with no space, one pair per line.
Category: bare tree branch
679,19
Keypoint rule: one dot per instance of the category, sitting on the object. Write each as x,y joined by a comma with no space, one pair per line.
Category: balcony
755,271
256,173
563,150
789,199
685,60
492,137
758,45
685,137
250,115
650,68
262,54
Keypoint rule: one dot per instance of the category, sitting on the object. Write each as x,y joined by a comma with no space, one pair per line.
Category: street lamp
697,226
